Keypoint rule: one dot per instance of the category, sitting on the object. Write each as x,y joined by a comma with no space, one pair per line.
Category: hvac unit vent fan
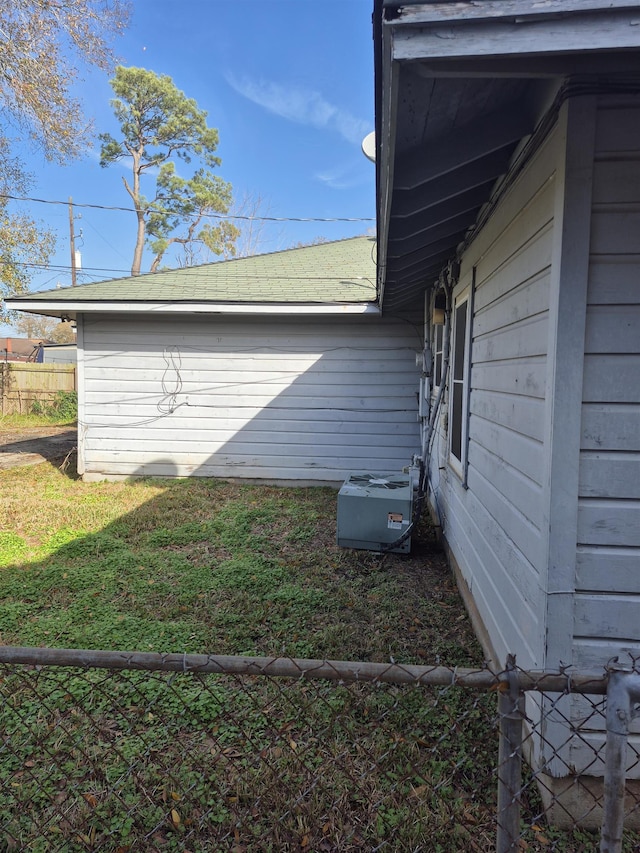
374,510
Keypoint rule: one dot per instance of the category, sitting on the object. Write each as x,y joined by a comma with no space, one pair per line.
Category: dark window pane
460,337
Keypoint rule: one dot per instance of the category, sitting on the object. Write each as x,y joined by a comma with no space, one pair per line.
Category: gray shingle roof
337,272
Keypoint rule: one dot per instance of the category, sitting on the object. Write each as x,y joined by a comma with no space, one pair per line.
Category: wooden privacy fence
23,384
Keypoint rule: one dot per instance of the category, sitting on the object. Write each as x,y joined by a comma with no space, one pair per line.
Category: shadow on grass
55,449
204,565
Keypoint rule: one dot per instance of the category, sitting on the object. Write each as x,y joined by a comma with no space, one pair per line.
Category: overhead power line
236,216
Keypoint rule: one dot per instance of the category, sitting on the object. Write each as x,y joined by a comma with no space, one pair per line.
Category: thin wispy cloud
300,105
344,177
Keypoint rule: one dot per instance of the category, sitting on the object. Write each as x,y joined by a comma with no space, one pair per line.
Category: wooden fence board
24,383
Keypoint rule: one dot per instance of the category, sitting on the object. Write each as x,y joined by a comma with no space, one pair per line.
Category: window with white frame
437,337
459,381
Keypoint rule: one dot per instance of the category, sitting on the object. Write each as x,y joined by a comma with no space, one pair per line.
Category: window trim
435,332
460,379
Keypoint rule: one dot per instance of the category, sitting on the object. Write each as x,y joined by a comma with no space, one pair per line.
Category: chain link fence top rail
123,752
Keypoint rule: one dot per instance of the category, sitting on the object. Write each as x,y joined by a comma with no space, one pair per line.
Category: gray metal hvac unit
374,510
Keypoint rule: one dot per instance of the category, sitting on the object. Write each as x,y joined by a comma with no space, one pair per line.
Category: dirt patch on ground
34,445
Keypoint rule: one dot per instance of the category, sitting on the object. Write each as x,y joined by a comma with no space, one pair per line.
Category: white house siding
260,398
607,601
59,354
493,526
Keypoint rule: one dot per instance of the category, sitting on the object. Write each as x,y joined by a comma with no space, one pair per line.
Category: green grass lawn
16,422
139,761
208,566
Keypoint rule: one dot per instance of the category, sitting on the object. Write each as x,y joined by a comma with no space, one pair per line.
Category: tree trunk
137,253
140,214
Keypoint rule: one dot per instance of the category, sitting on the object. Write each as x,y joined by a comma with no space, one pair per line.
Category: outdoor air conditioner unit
374,510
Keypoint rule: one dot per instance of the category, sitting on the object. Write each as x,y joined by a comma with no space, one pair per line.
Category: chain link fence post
511,715
623,695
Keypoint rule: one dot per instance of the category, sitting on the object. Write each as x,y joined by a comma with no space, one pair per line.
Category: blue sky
288,84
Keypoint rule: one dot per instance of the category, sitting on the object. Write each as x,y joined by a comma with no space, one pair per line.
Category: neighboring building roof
19,349
341,273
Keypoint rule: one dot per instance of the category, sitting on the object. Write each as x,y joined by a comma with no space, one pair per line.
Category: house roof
461,89
20,349
19,346
339,275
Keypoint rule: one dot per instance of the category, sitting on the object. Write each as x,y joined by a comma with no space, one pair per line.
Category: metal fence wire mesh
189,753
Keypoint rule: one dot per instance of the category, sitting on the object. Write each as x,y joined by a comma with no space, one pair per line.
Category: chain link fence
127,752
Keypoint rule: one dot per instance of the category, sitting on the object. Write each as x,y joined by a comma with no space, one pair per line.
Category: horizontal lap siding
493,525
608,564
256,398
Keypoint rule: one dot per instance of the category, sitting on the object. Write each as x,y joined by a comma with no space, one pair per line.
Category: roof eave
386,98
71,309
457,40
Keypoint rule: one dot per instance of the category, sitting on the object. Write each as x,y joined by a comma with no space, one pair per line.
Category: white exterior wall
547,532
61,354
261,398
607,601
494,525
606,571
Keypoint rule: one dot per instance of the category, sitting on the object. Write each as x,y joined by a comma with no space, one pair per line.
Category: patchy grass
208,566
42,419
138,761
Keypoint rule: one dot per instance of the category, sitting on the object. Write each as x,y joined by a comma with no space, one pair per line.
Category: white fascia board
578,33
72,308
386,153
469,10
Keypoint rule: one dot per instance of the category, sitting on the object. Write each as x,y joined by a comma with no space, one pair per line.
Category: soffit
454,138
460,86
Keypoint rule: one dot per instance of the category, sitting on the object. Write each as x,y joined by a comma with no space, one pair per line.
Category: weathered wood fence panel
23,384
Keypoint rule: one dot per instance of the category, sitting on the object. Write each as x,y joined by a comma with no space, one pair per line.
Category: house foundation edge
569,801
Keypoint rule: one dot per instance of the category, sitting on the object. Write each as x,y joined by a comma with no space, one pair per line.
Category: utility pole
72,240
